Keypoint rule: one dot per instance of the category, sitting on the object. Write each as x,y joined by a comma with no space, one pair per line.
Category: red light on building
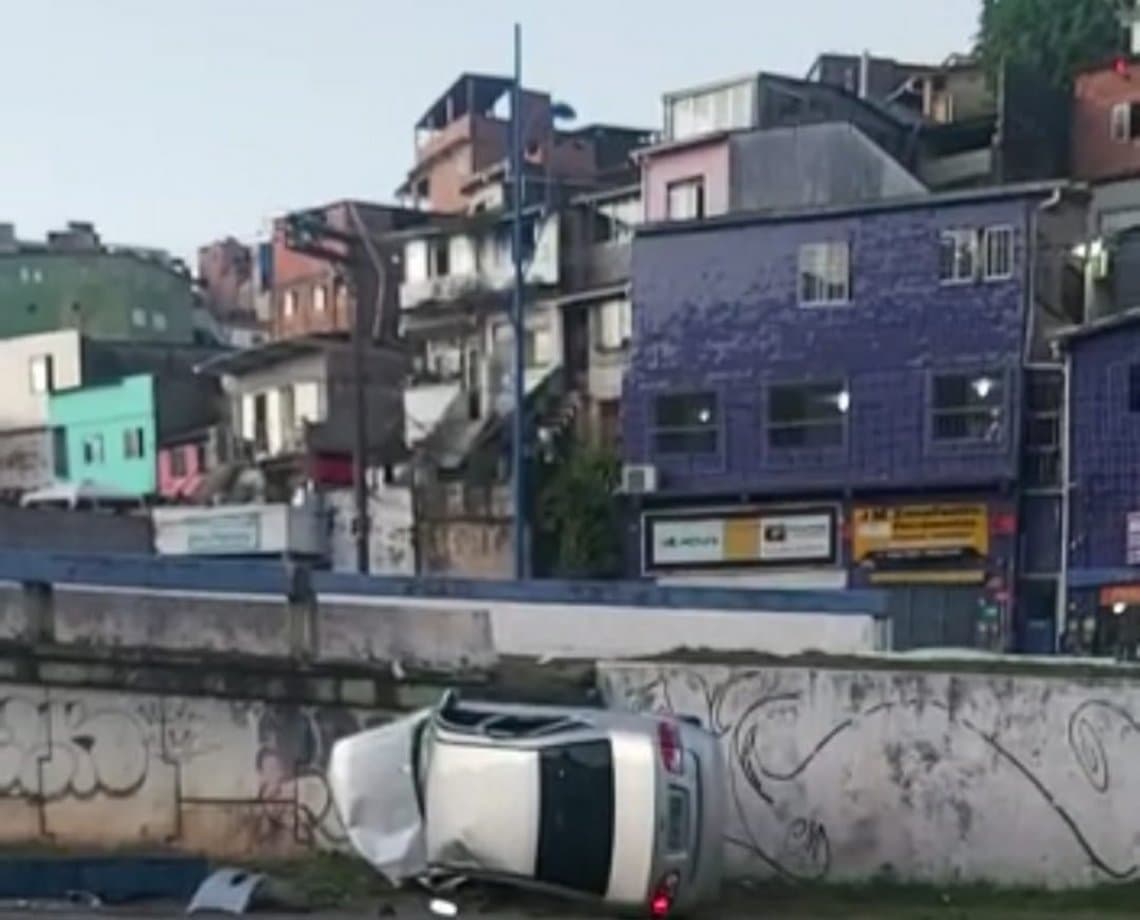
1120,65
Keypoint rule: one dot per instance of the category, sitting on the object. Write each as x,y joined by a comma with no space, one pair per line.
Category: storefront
774,547
946,565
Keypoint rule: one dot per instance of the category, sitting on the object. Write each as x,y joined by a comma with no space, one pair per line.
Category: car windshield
576,822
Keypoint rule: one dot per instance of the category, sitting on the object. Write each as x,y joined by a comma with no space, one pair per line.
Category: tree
580,524
1052,37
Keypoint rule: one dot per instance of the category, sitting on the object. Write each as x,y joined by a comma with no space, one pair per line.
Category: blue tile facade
1105,441
716,309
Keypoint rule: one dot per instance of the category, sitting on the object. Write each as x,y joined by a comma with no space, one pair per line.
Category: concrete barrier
194,606
853,775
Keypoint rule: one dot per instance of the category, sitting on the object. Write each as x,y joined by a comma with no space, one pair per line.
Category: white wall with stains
855,775
224,778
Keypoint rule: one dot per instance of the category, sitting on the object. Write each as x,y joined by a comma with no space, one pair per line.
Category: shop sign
1133,538
768,538
1129,595
943,542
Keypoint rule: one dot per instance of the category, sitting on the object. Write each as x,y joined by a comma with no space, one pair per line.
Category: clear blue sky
174,122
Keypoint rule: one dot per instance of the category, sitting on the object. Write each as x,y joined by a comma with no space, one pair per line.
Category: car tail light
663,896
669,742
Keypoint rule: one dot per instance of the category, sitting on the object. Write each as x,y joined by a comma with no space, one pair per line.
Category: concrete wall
50,529
852,775
115,623
813,166
27,459
229,778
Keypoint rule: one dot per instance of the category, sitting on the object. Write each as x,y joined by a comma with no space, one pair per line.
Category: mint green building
108,434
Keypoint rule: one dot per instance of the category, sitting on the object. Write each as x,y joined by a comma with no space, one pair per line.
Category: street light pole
518,433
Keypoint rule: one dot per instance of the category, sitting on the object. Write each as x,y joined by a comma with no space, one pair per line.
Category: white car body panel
482,810
635,816
370,777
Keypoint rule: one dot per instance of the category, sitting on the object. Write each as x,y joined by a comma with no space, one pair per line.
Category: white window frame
93,450
614,324
134,443
138,318
829,264
41,373
289,304
1120,122
989,273
320,298
158,320
694,198
958,236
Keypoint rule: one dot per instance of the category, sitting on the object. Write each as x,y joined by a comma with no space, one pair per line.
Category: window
59,453
1134,388
158,320
685,200
998,249
261,422
138,318
1124,122
133,443
825,274
807,415
686,424
439,258
615,325
968,407
957,256
320,296
41,374
93,449
289,304
178,462
576,816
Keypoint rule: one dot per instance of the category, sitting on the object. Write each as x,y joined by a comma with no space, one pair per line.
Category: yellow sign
920,532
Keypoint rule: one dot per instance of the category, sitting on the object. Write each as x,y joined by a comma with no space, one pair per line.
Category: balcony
480,263
601,265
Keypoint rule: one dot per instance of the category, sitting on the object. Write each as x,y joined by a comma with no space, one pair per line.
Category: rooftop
469,92
1026,190
271,353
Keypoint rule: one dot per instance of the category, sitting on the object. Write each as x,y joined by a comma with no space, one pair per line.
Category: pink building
181,468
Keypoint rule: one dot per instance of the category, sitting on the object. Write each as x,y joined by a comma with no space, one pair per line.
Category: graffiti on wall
257,770
814,787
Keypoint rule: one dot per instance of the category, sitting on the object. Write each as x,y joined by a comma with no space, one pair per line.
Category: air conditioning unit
639,479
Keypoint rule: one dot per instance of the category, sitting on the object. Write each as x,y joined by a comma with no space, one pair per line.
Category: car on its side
623,809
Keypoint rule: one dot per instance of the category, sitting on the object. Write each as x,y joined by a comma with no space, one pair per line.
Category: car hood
372,781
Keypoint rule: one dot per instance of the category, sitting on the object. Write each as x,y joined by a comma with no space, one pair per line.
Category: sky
170,123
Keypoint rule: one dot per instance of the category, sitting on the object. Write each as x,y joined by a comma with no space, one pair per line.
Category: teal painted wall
109,432
105,295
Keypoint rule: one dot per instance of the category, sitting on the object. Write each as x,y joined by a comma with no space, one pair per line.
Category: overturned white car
591,803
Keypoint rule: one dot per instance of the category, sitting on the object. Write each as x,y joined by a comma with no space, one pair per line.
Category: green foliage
579,521
1053,37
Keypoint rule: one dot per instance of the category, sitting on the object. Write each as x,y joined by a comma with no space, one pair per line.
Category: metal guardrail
164,573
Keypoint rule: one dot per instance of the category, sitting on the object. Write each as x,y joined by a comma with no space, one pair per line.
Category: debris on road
228,891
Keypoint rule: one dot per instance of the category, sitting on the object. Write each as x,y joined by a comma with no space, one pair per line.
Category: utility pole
518,434
309,232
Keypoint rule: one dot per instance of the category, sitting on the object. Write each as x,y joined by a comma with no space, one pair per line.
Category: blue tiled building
834,397
1103,526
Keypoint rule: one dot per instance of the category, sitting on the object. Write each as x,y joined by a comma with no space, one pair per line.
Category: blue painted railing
166,573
